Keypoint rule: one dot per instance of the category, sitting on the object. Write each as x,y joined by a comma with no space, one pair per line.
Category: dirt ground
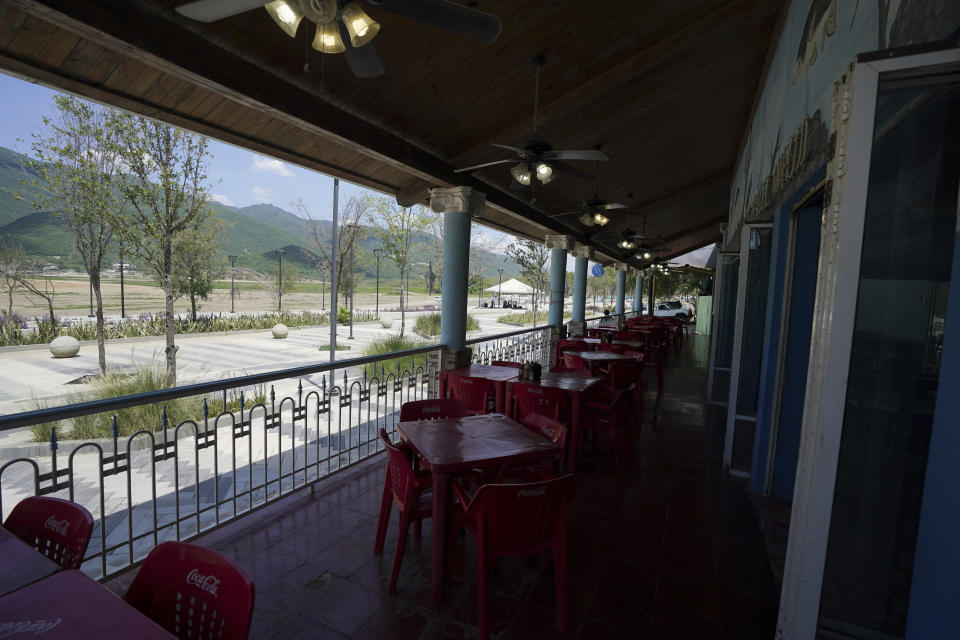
72,298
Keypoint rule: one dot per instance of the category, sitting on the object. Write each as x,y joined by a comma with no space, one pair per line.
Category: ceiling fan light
600,219
361,27
328,39
544,172
586,220
286,15
646,255
521,173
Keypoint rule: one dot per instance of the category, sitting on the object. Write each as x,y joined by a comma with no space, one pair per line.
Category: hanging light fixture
600,219
646,255
586,220
626,243
521,173
544,172
361,27
328,39
287,16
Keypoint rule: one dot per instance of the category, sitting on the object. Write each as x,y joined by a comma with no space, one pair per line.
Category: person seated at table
608,320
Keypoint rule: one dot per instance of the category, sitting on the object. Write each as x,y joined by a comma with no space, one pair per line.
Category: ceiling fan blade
566,213
612,205
480,166
576,154
363,61
463,21
570,170
212,10
523,153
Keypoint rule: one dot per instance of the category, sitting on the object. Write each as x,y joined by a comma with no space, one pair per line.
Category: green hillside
275,216
12,173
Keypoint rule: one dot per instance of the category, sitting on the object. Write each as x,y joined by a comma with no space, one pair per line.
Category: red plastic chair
193,592
605,411
478,395
411,493
436,409
507,363
614,348
625,375
512,520
545,401
59,529
573,361
549,428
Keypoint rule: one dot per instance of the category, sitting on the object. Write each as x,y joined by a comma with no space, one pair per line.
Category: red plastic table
574,386
498,375
21,564
71,605
447,447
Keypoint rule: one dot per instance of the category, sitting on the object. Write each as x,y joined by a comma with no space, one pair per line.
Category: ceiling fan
536,158
343,27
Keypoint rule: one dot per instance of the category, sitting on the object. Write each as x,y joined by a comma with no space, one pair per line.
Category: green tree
349,234
11,270
77,164
398,228
532,259
198,261
166,184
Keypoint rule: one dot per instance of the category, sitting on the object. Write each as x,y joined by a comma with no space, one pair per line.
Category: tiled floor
671,552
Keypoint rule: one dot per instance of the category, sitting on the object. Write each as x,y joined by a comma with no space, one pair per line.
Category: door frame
732,415
841,240
718,290
814,192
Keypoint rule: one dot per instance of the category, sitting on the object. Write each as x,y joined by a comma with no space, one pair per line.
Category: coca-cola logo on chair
57,526
204,583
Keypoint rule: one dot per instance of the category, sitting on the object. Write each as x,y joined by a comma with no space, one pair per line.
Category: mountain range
253,233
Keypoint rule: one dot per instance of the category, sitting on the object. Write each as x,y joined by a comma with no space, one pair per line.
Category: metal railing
147,483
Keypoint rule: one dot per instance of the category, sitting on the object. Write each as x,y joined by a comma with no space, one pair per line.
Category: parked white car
671,309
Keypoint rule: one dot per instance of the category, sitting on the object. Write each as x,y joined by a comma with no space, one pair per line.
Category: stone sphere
280,331
64,347
386,323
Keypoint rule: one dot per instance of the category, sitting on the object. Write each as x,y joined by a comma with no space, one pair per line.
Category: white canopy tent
511,287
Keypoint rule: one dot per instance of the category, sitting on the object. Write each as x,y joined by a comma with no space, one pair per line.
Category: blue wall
771,340
933,613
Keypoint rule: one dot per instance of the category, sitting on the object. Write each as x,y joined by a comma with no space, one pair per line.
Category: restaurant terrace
785,468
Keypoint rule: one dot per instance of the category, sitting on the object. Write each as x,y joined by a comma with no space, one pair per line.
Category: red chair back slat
477,394
573,361
193,592
547,427
403,480
545,401
57,528
507,363
436,409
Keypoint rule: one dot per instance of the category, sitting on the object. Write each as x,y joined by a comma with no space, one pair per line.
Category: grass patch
391,344
526,317
429,324
340,347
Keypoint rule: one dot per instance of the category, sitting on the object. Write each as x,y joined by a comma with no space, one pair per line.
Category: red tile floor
671,552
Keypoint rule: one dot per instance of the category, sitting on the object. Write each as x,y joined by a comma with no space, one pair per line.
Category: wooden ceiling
663,88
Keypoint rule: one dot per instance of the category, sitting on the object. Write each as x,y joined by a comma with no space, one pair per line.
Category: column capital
458,200
582,251
551,241
620,266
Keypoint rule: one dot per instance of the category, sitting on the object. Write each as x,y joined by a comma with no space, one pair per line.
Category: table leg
440,494
501,397
576,414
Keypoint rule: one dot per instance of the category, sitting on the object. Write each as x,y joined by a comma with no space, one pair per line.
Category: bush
389,345
429,324
526,317
343,316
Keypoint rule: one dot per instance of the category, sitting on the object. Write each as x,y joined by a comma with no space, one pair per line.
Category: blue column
453,306
558,278
579,289
621,291
638,293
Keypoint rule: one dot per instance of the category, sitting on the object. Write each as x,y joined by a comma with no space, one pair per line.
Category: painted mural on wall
788,137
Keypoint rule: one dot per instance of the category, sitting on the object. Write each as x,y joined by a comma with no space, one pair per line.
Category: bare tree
532,258
166,184
398,228
77,165
349,233
11,270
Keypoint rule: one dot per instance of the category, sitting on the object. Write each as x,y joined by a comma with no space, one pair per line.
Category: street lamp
499,285
353,242
233,266
323,289
378,252
280,253
123,309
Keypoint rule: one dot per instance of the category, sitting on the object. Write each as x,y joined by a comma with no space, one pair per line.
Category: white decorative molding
457,200
581,251
559,242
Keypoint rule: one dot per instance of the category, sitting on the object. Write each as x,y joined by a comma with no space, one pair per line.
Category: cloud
262,194
262,164
222,199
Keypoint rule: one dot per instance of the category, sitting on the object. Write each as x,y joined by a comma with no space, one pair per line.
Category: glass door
756,250
905,276
725,297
